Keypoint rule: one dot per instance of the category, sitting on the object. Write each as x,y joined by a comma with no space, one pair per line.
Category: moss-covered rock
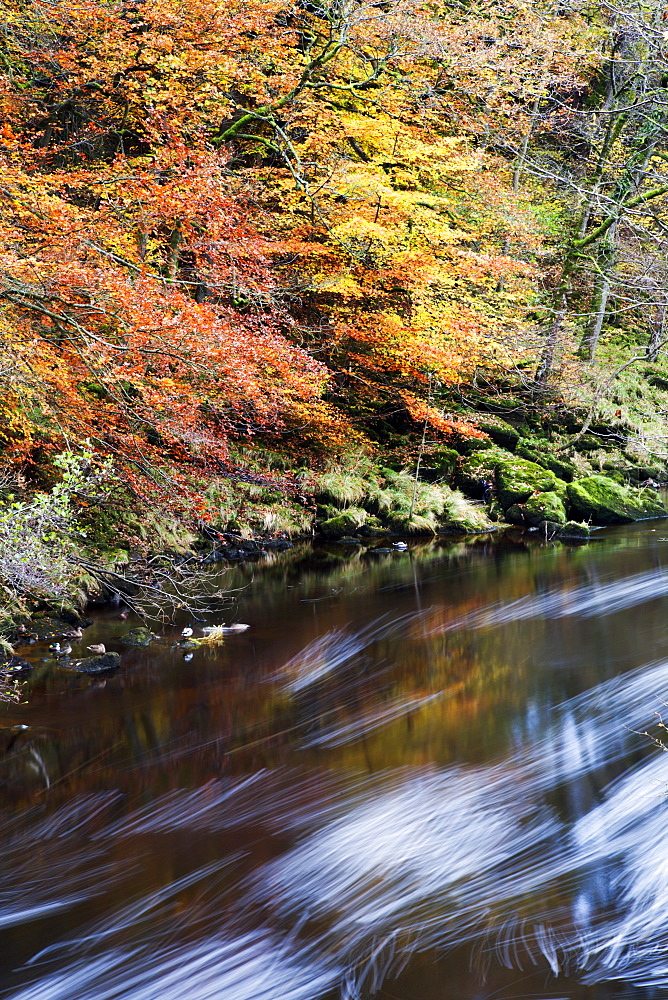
574,529
500,431
373,528
642,473
441,464
616,476
517,479
47,627
541,454
348,522
538,509
138,637
95,664
495,512
603,501
546,506
591,442
478,468
516,514
467,445
497,404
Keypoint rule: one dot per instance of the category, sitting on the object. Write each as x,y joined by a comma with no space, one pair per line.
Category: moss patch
603,501
479,466
501,432
540,452
538,508
517,479
348,522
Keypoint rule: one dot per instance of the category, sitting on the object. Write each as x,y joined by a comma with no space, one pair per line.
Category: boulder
441,464
138,637
495,512
575,530
346,523
478,467
95,664
44,628
540,452
13,664
602,501
501,432
546,506
467,445
518,479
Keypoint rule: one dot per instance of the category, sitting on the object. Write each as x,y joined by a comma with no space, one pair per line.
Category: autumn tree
220,221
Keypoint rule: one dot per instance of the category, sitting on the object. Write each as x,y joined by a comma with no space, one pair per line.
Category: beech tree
224,220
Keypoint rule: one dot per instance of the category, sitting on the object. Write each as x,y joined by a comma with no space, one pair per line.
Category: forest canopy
261,220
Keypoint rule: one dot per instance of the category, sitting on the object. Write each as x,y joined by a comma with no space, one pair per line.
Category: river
419,775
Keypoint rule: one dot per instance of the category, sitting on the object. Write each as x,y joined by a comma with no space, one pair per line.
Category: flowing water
419,775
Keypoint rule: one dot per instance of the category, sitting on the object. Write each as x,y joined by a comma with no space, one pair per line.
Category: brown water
419,775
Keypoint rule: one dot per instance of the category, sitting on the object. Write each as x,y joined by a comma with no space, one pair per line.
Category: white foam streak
424,858
367,722
252,967
586,601
330,652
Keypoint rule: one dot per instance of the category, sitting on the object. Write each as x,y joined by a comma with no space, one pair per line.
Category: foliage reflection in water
414,771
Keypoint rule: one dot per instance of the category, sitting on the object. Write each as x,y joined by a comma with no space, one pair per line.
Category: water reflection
317,813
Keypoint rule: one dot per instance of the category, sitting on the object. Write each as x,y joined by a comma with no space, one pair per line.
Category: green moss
575,529
137,637
540,452
590,442
478,467
465,446
495,512
441,464
348,522
517,479
547,506
541,507
603,501
501,432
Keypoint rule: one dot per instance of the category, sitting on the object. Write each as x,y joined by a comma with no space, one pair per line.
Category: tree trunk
546,360
606,257
590,339
657,335
522,155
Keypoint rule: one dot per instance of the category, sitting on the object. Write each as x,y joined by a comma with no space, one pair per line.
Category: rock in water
138,637
14,664
603,501
96,664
